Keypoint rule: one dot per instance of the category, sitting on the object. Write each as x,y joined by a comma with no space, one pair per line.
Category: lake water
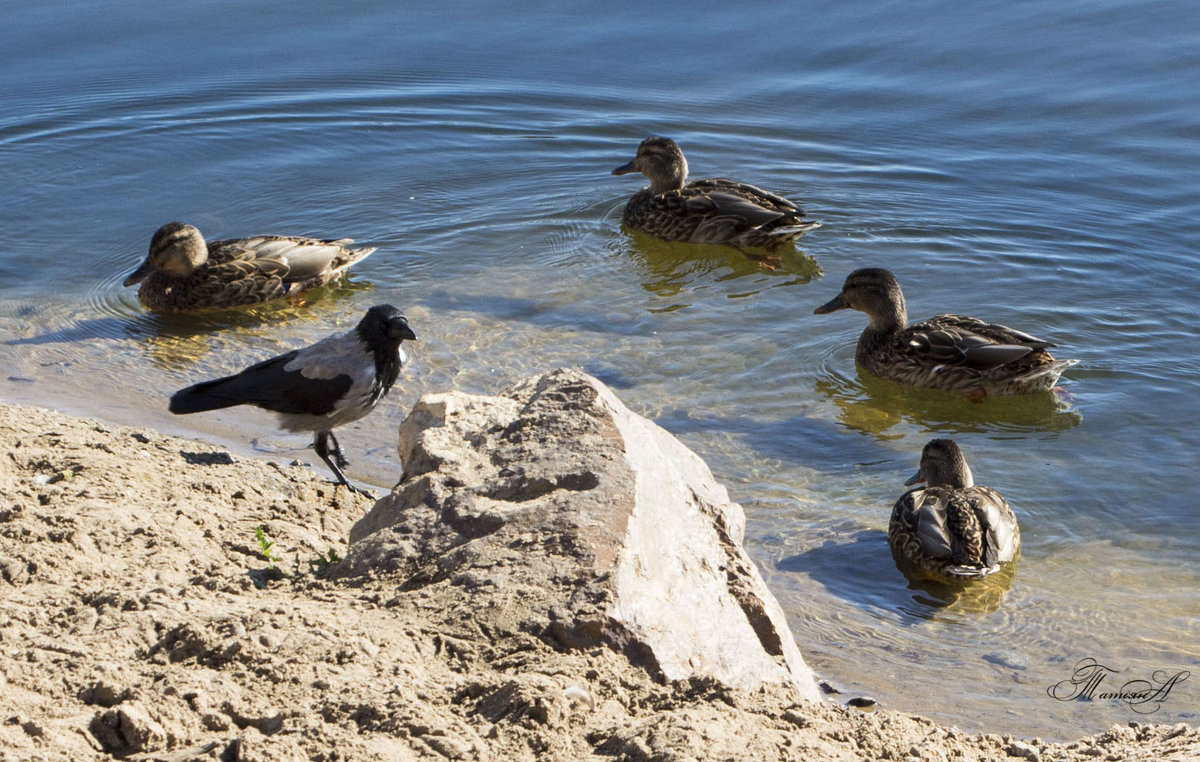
1033,163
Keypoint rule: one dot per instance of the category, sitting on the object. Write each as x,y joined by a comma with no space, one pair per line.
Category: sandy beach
143,618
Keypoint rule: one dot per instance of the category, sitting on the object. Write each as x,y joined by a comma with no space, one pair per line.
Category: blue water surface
1033,163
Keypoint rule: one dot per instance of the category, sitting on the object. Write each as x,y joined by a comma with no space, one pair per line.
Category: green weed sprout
267,546
316,565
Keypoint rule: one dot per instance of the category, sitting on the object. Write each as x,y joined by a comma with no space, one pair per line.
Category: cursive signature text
1086,683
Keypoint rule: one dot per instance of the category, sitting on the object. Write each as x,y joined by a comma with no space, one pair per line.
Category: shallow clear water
1030,163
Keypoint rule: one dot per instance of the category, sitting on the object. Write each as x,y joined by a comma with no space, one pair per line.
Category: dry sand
140,618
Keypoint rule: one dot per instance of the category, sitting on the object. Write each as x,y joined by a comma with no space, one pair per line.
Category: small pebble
1023,750
863,703
576,693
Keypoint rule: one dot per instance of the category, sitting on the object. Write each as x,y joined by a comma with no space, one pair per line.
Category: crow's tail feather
209,395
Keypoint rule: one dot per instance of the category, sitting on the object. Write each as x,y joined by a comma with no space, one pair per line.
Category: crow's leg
337,451
321,445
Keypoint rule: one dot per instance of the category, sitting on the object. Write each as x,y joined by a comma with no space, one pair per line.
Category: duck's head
872,290
176,249
661,160
943,465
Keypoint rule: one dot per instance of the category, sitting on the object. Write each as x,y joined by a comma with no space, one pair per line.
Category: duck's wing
921,513
969,528
763,198
970,342
1001,334
709,217
733,212
1001,536
698,216
288,258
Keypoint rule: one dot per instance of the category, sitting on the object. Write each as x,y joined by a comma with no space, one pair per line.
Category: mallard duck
716,211
183,273
951,529
950,352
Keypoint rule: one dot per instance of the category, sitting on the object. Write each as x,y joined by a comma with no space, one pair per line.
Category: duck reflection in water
672,270
875,406
176,341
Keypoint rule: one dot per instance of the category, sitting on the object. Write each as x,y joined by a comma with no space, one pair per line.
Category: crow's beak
138,275
833,305
399,329
625,169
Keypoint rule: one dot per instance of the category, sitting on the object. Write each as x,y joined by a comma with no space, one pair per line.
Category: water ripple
1019,164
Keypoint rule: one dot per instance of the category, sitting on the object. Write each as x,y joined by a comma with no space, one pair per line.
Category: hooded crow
333,382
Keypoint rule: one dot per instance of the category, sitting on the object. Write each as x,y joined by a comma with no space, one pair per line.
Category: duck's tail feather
356,256
1052,369
796,229
958,570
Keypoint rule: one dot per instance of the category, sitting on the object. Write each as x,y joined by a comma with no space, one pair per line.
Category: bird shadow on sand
206,458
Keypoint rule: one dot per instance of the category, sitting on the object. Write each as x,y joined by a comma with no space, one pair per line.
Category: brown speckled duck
950,352
950,529
716,211
183,273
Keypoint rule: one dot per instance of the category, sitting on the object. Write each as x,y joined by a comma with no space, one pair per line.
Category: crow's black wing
267,385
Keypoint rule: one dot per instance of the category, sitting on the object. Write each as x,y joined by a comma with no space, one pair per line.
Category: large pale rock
572,517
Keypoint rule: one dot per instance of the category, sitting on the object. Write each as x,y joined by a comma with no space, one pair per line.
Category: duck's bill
625,169
138,275
914,479
833,305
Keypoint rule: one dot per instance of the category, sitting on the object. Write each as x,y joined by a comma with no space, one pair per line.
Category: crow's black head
383,325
